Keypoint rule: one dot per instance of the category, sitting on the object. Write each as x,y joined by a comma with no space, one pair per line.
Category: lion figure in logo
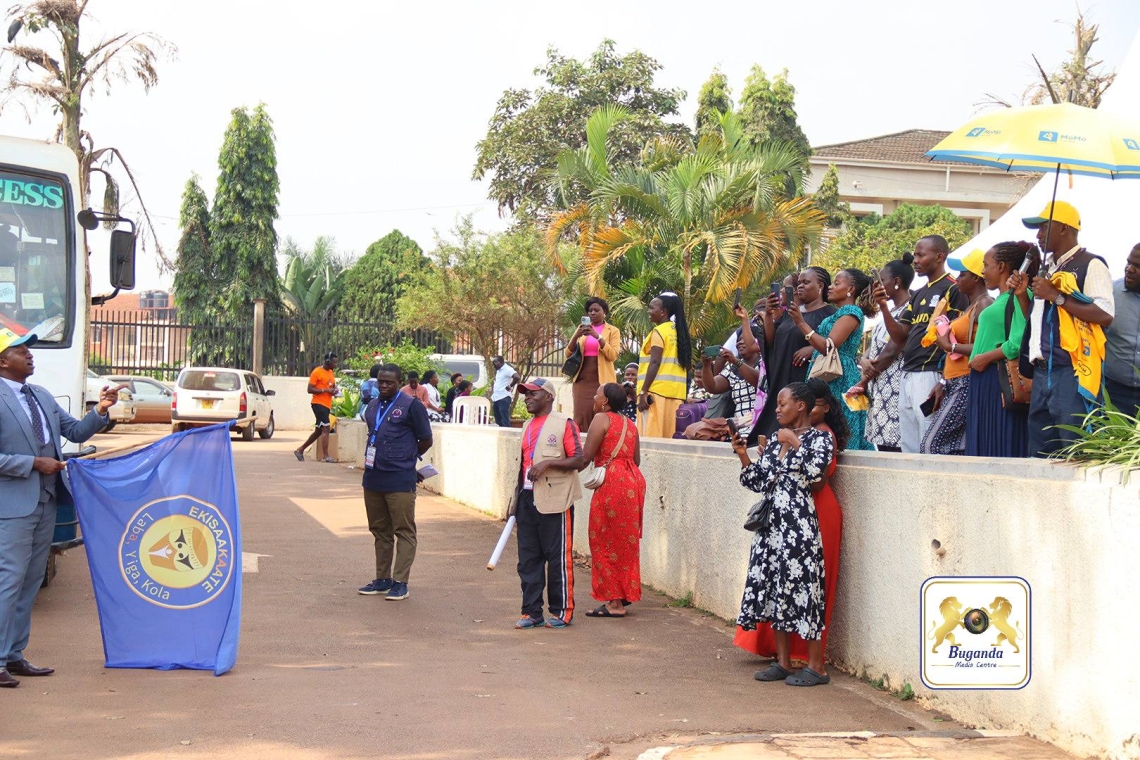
181,550
1000,611
951,610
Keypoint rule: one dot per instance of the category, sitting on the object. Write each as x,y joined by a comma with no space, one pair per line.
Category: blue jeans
1123,397
502,410
1056,400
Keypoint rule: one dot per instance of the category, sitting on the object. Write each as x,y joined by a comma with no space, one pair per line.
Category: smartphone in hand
736,299
712,351
789,296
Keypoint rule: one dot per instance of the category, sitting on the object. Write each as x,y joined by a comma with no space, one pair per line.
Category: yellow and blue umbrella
1061,137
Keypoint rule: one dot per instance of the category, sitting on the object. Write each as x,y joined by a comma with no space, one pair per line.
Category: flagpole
130,446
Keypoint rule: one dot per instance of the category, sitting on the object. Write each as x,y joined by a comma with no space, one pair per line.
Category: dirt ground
326,673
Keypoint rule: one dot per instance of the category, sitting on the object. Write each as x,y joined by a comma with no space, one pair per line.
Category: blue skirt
991,431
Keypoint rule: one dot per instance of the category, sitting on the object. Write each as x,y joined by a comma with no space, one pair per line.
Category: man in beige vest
547,488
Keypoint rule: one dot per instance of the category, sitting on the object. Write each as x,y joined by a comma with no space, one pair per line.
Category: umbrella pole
1049,229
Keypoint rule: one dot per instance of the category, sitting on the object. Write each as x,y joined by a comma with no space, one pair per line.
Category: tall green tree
198,288
768,111
58,72
870,242
245,207
714,99
715,218
377,280
529,128
490,287
826,199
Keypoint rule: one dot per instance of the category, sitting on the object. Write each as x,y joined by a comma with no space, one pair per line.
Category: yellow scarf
1084,342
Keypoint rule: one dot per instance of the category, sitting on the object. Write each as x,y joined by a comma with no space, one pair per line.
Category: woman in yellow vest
662,372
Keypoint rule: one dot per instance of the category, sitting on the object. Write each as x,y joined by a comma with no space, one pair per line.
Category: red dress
615,518
762,641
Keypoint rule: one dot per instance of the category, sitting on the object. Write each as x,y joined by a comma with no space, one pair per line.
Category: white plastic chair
471,410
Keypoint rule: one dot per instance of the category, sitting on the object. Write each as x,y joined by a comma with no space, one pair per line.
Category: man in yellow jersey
322,386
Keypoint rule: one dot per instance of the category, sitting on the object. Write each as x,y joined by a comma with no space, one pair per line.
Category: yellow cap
9,339
971,262
1058,211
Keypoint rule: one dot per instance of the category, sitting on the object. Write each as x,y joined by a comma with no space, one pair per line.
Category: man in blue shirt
399,434
1122,350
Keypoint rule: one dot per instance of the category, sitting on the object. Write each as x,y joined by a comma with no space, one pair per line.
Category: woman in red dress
616,508
826,416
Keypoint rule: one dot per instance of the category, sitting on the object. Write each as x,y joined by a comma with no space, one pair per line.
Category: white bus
43,267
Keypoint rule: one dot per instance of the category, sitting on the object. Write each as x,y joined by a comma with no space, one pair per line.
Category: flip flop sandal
603,612
774,672
299,455
807,677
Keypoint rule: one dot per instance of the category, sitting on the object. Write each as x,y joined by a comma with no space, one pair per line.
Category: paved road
326,673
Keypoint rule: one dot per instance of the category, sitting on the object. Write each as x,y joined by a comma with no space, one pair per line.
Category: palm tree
314,280
700,219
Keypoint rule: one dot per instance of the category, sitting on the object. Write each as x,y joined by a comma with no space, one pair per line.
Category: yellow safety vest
672,380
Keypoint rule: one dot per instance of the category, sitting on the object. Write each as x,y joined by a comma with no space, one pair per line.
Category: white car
471,366
209,395
124,409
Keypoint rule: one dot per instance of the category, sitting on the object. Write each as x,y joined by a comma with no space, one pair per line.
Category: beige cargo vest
556,490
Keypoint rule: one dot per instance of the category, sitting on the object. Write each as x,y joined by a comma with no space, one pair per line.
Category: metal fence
157,344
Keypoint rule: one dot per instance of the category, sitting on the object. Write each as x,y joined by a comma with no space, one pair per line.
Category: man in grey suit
31,478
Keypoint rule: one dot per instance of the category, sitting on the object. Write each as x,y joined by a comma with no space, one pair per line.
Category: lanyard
381,417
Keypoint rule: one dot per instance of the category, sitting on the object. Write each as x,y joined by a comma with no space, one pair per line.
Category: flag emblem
177,552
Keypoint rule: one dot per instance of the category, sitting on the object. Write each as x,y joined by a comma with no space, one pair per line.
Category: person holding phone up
599,342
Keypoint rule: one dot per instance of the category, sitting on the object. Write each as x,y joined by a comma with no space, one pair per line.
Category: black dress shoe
6,680
25,668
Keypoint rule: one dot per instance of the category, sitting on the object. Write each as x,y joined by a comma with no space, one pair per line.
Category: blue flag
164,546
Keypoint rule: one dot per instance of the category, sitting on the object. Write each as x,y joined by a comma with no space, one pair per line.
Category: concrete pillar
259,335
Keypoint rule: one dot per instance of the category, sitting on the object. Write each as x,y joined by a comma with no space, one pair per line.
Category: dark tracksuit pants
546,558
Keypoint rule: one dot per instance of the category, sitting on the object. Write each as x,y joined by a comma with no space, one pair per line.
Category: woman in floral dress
851,292
882,383
617,505
785,583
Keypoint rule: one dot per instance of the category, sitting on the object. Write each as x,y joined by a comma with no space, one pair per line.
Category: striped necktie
37,418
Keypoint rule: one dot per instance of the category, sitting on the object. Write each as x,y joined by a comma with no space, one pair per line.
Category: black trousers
546,559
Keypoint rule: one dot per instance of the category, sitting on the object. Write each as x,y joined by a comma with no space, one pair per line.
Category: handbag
827,366
1016,390
573,364
597,475
760,516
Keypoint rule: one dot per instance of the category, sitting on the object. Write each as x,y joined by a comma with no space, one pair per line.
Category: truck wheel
267,432
50,572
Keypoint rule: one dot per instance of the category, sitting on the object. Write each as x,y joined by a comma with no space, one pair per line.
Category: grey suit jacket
19,483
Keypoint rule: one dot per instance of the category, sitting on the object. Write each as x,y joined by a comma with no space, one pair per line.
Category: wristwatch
1060,300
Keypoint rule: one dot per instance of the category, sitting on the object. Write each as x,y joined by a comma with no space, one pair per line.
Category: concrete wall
1074,536
290,403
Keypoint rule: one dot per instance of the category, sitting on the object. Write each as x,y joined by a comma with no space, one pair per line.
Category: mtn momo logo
975,633
1131,144
983,132
1046,135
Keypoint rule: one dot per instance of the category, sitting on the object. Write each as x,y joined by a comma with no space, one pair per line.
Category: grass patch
685,601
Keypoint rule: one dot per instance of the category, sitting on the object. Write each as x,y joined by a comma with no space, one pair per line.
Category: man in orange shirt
322,386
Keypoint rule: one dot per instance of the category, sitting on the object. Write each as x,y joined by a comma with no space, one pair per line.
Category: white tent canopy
1110,209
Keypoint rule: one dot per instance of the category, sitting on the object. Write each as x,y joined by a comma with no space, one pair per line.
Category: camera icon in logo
1047,136
976,621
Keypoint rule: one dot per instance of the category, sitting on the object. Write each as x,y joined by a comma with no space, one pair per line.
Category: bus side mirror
122,259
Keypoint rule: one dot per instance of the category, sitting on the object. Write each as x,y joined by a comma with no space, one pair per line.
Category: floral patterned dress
848,356
883,416
615,518
785,583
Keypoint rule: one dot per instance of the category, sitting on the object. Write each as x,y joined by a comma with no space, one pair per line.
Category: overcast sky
377,110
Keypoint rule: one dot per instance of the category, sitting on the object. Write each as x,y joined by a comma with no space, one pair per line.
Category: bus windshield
35,260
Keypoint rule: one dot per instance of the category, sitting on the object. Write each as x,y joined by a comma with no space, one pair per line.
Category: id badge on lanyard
370,449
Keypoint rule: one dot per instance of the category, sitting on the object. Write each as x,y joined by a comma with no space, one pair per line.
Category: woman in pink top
599,343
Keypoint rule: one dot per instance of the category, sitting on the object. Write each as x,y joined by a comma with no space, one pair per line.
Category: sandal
774,672
807,677
603,612
300,456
